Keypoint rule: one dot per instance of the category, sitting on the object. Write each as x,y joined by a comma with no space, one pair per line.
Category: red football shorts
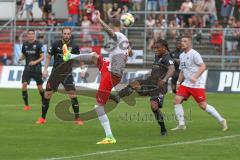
197,93
107,81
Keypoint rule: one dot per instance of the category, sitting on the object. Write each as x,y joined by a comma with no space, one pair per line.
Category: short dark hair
161,42
115,23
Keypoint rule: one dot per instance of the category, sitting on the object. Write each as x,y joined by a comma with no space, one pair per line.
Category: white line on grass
146,147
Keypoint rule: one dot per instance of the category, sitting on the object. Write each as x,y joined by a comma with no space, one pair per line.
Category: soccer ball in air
127,20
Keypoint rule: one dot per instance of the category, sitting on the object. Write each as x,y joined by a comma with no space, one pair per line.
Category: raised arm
105,26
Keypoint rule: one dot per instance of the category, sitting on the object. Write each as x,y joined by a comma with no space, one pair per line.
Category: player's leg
200,97
135,85
75,106
126,92
85,57
103,118
38,78
45,106
69,86
25,96
25,82
156,104
213,112
46,101
107,82
51,85
182,94
41,91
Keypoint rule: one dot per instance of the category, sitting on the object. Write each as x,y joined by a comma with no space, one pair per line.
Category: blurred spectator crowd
190,16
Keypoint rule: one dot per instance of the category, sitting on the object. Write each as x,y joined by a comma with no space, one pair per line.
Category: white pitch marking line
146,147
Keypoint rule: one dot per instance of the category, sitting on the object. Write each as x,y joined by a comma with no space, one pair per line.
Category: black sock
125,91
75,106
25,97
159,117
45,106
42,94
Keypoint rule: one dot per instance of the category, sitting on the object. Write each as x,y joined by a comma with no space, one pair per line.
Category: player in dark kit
155,85
175,55
58,77
33,54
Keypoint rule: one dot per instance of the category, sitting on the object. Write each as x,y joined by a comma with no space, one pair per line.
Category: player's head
115,24
31,35
160,47
186,43
66,34
178,44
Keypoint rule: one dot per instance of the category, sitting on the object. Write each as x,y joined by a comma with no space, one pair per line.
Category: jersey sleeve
120,37
169,61
197,58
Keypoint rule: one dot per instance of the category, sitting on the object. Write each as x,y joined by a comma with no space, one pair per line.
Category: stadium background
215,43
137,135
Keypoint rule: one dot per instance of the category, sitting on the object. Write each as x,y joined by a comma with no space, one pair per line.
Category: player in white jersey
111,71
192,82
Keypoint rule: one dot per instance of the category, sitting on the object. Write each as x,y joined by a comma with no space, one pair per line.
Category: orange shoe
78,121
41,121
26,108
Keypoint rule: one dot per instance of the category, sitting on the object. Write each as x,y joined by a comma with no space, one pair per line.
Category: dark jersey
32,52
160,66
175,55
57,52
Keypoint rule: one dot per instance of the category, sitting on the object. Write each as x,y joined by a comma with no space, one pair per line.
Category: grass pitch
138,135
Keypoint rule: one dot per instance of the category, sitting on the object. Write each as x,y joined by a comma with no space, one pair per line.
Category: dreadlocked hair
162,42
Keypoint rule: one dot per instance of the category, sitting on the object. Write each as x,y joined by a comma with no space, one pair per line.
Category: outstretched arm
105,26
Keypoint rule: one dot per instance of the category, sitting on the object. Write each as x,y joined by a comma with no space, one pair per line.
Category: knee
24,86
202,105
72,94
177,100
135,85
40,88
48,94
100,110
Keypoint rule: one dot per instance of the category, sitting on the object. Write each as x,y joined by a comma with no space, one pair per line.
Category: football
127,19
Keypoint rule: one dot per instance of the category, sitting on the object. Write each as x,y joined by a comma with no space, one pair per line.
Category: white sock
179,113
85,57
103,120
212,111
